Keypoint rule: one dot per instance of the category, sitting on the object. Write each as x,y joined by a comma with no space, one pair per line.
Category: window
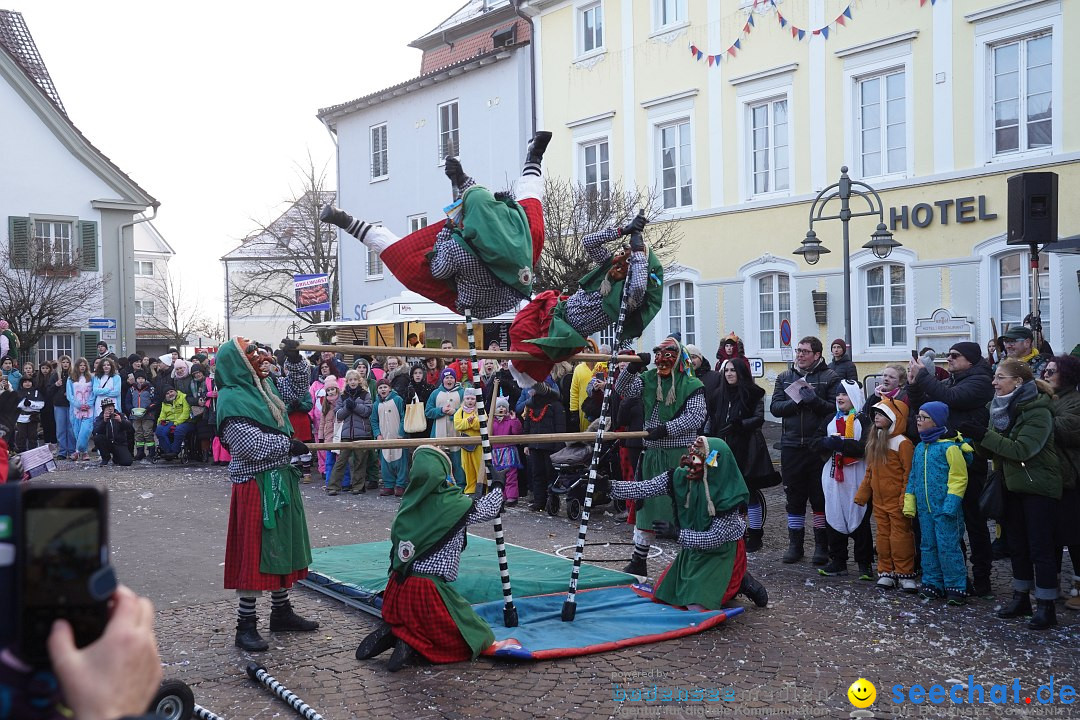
144,308
1015,288
681,311
607,336
144,268
374,263
449,142
591,22
597,173
769,146
1022,90
416,222
676,181
380,168
886,306
773,306
882,124
51,347
669,12
52,243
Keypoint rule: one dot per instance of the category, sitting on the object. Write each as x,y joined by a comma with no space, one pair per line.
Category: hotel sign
960,210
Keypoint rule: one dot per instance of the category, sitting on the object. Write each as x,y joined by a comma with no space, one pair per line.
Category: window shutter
88,246
88,341
19,242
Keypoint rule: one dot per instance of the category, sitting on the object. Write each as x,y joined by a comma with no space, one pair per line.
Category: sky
210,107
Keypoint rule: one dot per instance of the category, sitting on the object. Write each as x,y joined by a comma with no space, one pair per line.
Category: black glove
350,403
26,402
636,226
807,394
832,443
665,530
658,433
292,350
637,242
973,430
297,448
497,480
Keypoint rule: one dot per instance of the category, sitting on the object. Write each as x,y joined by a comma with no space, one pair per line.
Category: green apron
698,576
656,461
285,544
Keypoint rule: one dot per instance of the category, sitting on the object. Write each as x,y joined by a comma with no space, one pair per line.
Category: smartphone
64,566
914,354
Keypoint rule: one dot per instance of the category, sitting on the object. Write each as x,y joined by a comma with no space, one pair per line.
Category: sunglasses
954,355
1049,372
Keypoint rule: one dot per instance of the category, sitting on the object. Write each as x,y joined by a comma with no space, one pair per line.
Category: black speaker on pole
1033,209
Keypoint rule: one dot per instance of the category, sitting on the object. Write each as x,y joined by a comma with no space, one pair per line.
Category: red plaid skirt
407,258
243,546
531,322
301,423
418,616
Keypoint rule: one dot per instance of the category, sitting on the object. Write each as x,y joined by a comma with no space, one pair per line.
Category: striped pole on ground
258,673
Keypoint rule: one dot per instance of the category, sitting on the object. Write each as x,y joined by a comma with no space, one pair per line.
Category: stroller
572,477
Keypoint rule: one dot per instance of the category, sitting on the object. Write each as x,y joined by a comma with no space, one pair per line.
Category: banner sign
312,292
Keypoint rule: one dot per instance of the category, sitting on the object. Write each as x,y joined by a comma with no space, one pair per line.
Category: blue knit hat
939,411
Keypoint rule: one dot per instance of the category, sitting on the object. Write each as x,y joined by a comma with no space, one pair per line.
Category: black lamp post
881,242
293,331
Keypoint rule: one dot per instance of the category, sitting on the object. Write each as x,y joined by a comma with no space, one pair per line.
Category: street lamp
881,242
293,331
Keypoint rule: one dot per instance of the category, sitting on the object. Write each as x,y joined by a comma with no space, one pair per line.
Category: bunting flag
799,33
713,59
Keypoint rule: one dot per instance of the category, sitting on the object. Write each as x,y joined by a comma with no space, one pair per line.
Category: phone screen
64,546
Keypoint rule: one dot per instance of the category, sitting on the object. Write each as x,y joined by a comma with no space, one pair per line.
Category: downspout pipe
123,275
532,61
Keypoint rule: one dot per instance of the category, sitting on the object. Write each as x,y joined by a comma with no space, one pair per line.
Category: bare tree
572,211
296,243
39,296
176,315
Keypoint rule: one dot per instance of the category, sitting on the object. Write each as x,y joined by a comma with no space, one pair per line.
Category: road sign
757,367
108,334
785,332
786,354
102,324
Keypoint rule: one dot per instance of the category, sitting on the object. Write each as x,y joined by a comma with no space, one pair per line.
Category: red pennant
840,20
710,60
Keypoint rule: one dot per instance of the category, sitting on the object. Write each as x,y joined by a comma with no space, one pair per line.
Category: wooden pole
452,353
460,441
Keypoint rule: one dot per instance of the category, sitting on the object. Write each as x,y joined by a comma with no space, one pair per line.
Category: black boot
753,539
835,566
403,655
535,152
821,547
376,643
284,619
1019,607
455,172
1045,616
754,590
335,216
140,454
248,637
794,550
637,566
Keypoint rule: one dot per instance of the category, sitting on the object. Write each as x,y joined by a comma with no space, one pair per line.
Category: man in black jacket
708,377
805,420
967,392
111,434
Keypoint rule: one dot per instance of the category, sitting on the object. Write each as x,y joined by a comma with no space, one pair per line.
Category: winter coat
508,388
31,403
176,412
116,431
399,379
885,482
806,420
845,368
376,429
442,425
141,399
1067,435
939,477
543,414
711,380
105,386
1026,450
355,420
739,425
631,415
966,393
58,395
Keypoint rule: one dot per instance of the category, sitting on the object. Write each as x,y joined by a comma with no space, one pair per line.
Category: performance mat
607,619
355,574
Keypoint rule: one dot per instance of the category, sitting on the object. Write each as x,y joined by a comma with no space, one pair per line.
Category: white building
152,254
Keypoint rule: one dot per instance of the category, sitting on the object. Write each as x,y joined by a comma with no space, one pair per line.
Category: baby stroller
572,477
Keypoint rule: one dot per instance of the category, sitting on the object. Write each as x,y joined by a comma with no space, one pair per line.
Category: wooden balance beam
460,441
456,353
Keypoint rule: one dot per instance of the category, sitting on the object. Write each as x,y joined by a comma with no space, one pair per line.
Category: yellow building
933,104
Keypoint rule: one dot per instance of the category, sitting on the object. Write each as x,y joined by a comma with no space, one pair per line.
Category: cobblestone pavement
793,659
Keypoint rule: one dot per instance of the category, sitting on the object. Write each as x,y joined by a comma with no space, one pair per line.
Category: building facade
150,267
741,112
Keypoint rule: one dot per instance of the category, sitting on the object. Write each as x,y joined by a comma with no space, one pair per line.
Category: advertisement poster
312,292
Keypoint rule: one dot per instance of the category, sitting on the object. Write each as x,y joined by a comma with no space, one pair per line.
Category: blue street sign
102,324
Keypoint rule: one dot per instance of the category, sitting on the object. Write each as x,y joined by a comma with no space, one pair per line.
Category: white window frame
749,273
374,153
777,313
663,112
603,168
583,8
881,77
143,306
689,337
373,267
1025,289
54,222
861,262
141,266
680,11
753,89
887,306
998,26
658,132
454,132
1061,279
49,347
773,143
417,222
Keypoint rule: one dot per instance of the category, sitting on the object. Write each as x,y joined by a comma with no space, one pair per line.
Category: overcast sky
210,106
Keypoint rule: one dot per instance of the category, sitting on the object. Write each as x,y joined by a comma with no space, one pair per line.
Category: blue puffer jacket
939,476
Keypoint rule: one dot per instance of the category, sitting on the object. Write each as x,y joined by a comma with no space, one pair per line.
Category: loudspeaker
1033,209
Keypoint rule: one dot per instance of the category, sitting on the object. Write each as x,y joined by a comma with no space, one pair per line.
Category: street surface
794,659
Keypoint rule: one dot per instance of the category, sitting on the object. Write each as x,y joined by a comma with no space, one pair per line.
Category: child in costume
505,457
707,490
484,261
840,479
467,423
441,405
888,465
267,547
934,492
388,423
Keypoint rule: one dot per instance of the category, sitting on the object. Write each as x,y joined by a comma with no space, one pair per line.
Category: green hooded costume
497,232
432,509
703,576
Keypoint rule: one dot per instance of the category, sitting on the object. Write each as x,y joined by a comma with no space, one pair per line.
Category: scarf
1002,407
847,426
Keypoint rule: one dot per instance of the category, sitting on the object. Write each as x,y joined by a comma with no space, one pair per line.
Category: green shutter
88,341
88,244
19,242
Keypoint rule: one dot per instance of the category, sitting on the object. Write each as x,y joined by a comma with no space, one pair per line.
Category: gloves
497,480
951,506
26,402
350,403
831,443
909,505
862,496
972,430
297,448
163,423
637,243
635,227
292,350
807,394
658,433
665,530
